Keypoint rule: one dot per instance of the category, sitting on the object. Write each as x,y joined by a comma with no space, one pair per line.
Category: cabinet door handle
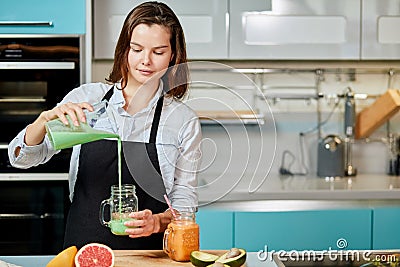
26,23
19,216
14,65
21,100
3,146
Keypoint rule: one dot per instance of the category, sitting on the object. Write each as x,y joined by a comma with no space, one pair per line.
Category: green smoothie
118,227
64,136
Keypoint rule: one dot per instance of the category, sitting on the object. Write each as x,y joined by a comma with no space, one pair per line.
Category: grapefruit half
94,254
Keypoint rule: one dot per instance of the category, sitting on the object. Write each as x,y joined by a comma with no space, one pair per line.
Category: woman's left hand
143,225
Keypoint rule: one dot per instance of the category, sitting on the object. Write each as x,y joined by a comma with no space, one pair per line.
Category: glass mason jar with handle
122,202
181,237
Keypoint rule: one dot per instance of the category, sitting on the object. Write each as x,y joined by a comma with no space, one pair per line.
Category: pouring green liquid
117,226
63,136
118,219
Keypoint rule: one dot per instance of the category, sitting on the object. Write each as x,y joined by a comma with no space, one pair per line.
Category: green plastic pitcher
63,136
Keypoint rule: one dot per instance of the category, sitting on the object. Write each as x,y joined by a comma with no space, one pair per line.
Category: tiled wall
238,148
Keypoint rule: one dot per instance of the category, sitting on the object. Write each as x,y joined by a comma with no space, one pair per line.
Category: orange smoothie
180,239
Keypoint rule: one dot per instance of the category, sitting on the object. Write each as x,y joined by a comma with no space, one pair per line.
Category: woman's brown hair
149,13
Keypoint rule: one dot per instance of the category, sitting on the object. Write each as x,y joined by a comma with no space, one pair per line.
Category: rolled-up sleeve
29,156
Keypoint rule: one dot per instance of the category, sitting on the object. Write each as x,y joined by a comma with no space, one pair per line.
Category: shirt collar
119,100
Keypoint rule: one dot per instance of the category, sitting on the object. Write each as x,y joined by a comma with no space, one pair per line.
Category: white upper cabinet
205,24
294,29
269,29
380,29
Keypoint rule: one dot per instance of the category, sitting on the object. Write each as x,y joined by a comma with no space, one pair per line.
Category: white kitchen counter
363,189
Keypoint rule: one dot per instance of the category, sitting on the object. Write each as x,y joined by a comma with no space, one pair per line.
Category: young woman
148,78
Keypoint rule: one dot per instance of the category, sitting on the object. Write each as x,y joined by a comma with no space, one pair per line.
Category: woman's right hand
74,110
36,131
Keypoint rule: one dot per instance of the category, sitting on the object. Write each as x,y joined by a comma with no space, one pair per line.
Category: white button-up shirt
178,140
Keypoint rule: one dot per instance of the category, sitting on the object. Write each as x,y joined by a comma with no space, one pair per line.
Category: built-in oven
33,211
36,72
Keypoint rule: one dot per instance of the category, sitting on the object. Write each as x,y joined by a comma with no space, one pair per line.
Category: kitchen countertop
155,258
140,258
229,189
362,190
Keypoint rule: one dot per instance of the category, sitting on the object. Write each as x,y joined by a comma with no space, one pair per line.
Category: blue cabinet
364,228
303,230
216,229
385,231
43,17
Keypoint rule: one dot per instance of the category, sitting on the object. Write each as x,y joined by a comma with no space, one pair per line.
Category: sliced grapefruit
94,254
64,259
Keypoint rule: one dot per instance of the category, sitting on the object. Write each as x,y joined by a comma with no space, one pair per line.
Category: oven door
24,94
33,212
27,89
36,72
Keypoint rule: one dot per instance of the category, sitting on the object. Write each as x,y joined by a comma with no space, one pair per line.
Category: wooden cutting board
144,258
372,117
149,258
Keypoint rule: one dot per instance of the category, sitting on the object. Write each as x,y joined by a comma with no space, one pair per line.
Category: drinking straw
170,206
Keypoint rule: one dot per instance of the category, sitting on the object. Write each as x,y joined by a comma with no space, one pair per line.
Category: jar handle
103,204
165,240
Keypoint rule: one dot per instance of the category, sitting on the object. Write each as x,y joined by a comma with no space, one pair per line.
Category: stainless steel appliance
36,72
394,154
331,157
32,213
349,130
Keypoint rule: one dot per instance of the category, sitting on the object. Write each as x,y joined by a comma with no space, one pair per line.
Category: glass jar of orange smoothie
181,237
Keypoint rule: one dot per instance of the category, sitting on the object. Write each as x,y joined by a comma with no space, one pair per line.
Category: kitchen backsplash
289,137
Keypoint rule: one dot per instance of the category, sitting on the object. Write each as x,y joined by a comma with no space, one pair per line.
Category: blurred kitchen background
278,85
302,56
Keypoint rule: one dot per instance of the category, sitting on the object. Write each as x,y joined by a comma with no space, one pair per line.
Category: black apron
98,171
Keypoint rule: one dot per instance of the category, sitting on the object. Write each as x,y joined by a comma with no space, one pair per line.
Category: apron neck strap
109,94
156,120
157,114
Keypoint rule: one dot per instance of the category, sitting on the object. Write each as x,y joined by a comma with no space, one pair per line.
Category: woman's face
150,53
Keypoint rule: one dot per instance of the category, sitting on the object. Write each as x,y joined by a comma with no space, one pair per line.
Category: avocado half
202,259
235,261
